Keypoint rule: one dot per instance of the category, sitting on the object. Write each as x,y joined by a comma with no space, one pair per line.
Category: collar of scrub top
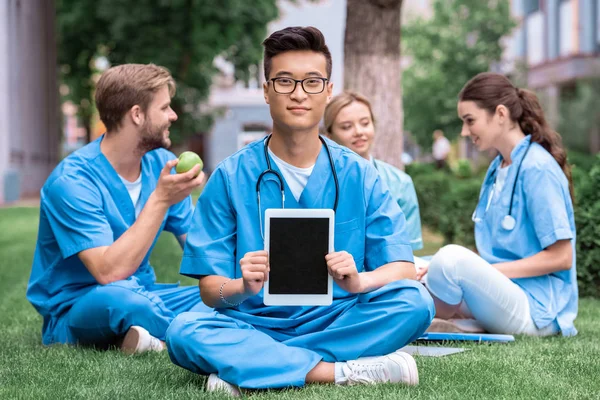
508,222
372,159
270,170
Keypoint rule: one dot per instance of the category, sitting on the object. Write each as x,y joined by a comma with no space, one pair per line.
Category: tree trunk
372,68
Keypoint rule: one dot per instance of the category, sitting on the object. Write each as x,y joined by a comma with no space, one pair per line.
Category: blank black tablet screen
297,249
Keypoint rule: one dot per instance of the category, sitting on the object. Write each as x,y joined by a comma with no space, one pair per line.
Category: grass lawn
530,368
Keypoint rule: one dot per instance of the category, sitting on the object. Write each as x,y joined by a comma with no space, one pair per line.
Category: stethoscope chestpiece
508,223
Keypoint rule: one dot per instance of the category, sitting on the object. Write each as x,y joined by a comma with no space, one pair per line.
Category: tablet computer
297,241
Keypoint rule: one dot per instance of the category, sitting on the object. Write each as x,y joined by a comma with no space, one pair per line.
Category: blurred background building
29,109
555,46
555,49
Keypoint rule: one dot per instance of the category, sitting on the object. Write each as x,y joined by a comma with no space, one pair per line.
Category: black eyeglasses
313,85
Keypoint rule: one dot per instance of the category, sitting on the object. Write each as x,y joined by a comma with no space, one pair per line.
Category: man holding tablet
377,305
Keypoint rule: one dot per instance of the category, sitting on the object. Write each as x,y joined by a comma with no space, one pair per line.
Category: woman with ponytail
523,279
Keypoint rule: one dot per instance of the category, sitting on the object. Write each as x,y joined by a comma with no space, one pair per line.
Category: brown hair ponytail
489,90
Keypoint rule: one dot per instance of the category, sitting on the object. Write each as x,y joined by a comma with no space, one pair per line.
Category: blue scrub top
84,204
403,190
543,211
369,224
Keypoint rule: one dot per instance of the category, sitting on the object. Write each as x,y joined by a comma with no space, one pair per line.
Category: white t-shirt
295,177
135,190
441,148
500,179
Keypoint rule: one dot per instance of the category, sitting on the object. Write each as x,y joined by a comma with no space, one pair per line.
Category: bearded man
102,210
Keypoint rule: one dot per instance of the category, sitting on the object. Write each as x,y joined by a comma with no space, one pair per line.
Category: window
565,38
535,38
597,5
531,6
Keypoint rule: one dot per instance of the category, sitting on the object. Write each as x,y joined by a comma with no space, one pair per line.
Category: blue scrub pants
103,315
253,357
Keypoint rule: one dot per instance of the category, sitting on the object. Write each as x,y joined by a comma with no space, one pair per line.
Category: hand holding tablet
255,271
297,241
342,268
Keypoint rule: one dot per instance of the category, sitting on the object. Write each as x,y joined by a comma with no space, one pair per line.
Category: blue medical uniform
543,212
258,346
84,204
403,190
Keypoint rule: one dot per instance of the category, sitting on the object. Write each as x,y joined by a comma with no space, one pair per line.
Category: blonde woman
350,122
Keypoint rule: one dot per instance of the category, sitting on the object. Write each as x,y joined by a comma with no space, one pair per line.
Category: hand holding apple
173,188
187,161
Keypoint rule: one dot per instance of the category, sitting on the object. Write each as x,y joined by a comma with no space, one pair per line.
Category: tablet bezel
299,299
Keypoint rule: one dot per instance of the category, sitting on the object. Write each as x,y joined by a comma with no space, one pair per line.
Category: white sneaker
216,384
138,340
397,367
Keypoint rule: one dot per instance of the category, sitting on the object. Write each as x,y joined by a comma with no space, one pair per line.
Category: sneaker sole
130,341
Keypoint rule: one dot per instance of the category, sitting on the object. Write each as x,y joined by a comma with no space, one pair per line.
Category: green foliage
581,161
461,40
464,169
182,35
458,204
587,220
447,200
429,187
579,114
415,169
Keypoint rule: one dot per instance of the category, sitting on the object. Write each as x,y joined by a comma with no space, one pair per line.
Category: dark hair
489,90
295,38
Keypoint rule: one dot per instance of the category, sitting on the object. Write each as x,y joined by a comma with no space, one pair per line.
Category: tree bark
372,68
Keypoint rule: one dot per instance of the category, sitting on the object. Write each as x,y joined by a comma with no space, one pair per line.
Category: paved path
29,202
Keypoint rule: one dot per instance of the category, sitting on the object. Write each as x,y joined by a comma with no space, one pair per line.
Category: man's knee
412,298
186,328
123,297
419,304
175,337
185,336
410,315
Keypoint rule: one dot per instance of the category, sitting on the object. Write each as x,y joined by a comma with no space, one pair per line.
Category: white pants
457,275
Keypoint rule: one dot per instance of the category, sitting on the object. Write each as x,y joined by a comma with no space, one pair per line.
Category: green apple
187,160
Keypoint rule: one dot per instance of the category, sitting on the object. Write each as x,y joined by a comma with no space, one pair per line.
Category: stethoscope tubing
270,170
508,222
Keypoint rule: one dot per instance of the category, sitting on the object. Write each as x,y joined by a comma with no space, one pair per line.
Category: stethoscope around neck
508,222
270,170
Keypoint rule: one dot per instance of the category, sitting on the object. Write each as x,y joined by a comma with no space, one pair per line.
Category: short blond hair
340,101
127,85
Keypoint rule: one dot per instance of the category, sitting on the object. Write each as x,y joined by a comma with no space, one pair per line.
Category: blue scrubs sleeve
410,207
76,216
180,217
386,236
546,199
211,239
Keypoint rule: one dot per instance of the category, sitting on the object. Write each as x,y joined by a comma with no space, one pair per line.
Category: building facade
556,45
29,111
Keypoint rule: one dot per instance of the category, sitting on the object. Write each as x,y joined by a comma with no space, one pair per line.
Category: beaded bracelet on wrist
230,304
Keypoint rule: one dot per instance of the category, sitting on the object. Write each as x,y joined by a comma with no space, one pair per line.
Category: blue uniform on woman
402,188
543,213
84,204
523,279
258,346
